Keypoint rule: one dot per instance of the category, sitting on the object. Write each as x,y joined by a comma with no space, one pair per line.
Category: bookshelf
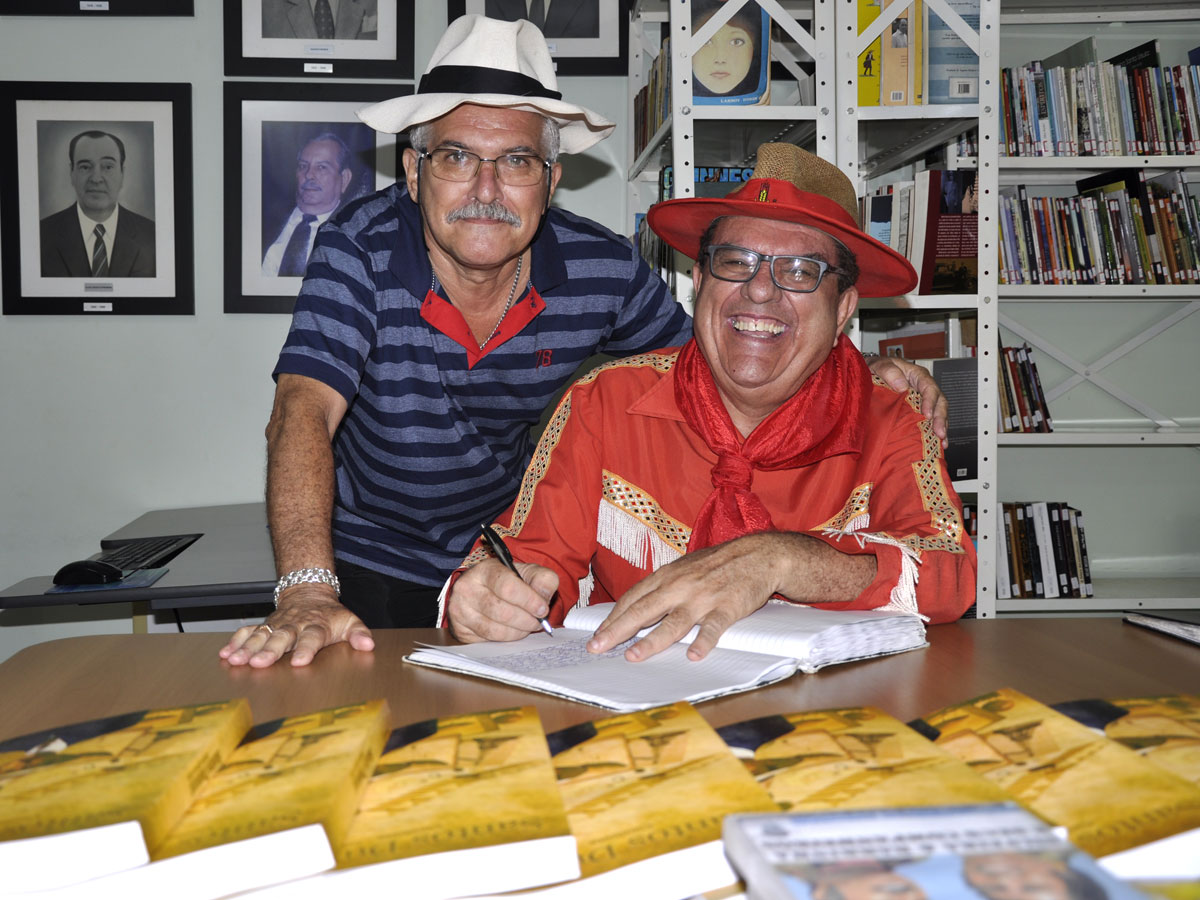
821,113
1119,378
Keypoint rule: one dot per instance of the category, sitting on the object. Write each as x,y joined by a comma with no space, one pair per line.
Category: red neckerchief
824,418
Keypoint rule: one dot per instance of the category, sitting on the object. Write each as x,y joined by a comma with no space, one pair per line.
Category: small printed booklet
768,646
981,850
1182,623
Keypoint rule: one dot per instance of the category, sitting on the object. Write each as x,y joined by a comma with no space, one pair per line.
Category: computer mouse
88,571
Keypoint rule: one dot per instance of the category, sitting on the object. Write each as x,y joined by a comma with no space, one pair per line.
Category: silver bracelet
306,576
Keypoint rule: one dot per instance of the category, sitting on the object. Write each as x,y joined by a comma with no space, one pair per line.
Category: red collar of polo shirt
446,318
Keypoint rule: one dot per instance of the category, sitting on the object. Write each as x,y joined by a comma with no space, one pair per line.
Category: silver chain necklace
512,293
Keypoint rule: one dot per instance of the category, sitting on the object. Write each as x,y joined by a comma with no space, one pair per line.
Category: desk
231,563
1052,660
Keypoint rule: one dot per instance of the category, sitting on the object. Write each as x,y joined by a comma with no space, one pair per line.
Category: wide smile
763,328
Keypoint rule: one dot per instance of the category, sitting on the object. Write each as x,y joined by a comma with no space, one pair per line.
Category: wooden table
1052,660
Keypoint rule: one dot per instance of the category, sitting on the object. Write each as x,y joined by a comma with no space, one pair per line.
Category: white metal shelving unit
875,139
1144,589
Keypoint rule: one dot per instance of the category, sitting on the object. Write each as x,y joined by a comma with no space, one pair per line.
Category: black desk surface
231,563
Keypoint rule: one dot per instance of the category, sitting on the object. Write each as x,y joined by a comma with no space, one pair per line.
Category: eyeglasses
514,169
799,274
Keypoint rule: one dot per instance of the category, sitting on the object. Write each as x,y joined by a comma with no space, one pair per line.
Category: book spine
1059,549
894,76
1005,581
1083,555
1017,563
1024,422
1007,422
1071,564
869,61
1033,558
1041,524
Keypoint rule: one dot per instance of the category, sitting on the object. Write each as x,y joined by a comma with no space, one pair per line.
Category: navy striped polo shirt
431,446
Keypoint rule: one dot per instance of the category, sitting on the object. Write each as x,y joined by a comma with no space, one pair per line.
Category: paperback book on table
767,646
948,851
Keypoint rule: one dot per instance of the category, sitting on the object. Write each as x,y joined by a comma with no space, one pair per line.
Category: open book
767,646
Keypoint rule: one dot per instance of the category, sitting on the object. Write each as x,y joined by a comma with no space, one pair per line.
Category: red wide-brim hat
826,202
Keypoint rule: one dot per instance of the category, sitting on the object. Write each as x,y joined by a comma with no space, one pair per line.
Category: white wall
102,418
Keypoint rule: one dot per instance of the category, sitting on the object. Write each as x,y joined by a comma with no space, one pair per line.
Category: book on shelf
771,644
870,60
106,792
895,79
1123,227
1075,103
950,250
733,67
1108,797
982,850
878,216
1182,623
958,379
455,806
1045,551
1129,188
645,794
952,69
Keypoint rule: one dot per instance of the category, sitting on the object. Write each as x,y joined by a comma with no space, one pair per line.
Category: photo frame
76,154
586,37
274,135
277,38
97,8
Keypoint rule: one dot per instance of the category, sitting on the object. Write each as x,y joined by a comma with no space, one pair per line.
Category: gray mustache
476,210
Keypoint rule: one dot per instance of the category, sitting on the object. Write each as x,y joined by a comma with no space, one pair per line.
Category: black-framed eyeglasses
799,274
514,169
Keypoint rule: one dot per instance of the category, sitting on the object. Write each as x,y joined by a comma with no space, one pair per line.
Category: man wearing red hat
437,319
760,459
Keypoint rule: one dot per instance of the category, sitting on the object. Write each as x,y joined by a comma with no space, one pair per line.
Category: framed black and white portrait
586,37
96,198
335,38
295,154
98,9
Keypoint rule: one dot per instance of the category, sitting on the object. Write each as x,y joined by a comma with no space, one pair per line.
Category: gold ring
270,630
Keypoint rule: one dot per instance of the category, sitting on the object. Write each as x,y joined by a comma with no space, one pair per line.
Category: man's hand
310,620
900,375
490,603
714,588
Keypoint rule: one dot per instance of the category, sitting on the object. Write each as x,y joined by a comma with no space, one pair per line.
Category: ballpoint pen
496,543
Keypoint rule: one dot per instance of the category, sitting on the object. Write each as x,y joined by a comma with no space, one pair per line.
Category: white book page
560,664
787,629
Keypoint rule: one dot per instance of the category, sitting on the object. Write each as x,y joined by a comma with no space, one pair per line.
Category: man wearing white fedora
437,319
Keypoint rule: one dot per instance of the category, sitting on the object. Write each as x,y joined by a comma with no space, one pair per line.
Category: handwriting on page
559,656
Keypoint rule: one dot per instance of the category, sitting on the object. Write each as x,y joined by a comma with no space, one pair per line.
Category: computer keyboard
146,553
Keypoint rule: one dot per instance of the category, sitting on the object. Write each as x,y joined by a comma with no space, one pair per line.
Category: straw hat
791,185
491,63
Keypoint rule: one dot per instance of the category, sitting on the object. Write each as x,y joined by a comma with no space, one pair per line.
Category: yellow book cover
868,60
894,55
1164,730
647,783
143,766
852,758
465,782
1105,795
302,770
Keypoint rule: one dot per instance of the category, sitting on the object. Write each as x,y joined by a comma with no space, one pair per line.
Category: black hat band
482,80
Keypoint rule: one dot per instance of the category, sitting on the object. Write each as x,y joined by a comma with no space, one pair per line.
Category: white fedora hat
491,63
